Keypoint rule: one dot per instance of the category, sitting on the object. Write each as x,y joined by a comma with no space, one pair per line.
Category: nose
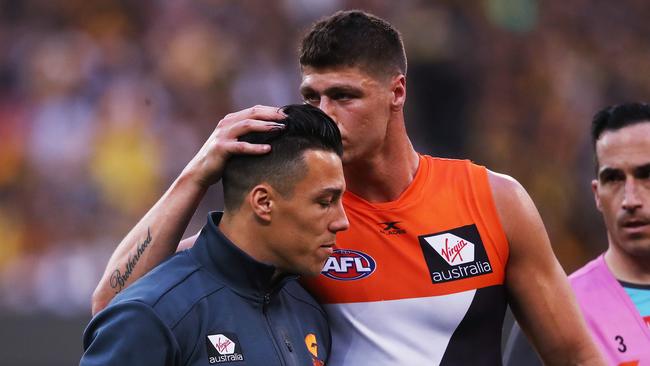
631,198
340,222
327,106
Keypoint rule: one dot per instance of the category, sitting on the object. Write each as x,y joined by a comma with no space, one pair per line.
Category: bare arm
540,295
156,236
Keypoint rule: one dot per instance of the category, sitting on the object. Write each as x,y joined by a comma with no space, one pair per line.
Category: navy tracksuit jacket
209,305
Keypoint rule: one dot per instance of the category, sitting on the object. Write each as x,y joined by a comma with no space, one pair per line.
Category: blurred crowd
103,102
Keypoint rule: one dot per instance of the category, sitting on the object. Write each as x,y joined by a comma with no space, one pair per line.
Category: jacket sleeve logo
455,254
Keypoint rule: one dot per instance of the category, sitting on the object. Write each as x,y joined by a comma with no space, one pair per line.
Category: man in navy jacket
233,298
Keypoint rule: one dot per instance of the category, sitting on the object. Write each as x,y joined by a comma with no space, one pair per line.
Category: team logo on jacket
455,254
312,347
348,265
224,347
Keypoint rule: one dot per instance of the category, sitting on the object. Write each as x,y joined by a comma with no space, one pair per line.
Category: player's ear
398,88
260,199
594,189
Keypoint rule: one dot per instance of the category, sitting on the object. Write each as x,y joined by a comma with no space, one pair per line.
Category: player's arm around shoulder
156,236
538,290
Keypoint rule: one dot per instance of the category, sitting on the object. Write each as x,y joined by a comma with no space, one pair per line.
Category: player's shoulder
451,163
508,194
172,288
442,160
503,184
514,206
451,171
586,275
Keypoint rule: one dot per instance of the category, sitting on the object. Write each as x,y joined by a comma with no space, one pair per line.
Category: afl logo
348,265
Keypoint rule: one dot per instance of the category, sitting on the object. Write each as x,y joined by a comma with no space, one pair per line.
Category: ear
260,199
398,87
594,189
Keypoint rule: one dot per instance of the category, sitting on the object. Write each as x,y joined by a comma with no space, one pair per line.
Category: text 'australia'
462,271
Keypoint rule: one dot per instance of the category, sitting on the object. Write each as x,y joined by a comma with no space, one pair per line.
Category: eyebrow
306,89
333,191
636,171
607,172
642,170
332,90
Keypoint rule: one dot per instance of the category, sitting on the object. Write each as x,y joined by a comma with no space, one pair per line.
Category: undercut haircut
354,39
306,128
615,117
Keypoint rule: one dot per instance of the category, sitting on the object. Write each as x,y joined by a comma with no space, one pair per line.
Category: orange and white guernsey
419,280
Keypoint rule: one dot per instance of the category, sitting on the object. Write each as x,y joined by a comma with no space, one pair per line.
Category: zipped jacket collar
230,264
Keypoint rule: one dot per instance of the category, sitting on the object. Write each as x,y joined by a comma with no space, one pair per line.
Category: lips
633,221
328,247
634,226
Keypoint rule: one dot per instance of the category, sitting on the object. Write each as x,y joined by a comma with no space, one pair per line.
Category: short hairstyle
354,38
306,128
615,117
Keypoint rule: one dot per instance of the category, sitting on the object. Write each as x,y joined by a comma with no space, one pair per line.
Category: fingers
207,165
238,148
258,112
254,119
224,140
240,128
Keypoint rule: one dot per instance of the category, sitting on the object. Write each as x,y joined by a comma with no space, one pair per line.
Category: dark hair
354,38
307,128
613,118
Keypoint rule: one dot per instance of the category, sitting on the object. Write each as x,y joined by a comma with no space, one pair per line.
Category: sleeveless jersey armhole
485,206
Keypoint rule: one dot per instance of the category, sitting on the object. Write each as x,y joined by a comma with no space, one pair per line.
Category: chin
637,248
311,272
642,250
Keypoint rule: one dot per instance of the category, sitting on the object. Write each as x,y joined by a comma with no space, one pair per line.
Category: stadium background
103,102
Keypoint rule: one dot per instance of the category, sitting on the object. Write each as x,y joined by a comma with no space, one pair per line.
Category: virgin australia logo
452,249
455,254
